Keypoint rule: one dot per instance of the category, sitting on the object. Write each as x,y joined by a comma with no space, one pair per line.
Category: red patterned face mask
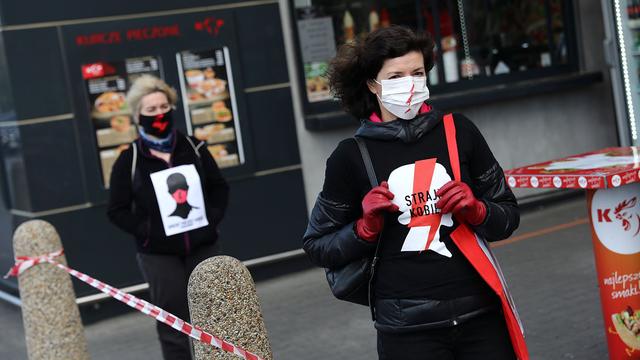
159,125
404,96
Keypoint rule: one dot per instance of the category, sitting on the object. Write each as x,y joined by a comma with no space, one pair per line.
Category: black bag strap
194,147
368,165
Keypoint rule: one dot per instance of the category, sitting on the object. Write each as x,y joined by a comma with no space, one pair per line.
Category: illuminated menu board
210,104
106,86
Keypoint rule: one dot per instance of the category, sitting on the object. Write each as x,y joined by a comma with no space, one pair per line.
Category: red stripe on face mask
411,96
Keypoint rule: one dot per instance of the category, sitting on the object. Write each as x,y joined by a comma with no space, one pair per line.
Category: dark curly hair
357,63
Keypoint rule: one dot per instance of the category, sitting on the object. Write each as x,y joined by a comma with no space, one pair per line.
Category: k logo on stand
616,218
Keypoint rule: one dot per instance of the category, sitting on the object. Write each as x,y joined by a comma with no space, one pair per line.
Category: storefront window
504,37
478,43
324,25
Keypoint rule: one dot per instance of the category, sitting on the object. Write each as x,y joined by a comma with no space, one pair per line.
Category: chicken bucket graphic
414,187
615,219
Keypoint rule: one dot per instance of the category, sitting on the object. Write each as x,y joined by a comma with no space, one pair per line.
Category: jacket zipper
186,240
187,243
146,241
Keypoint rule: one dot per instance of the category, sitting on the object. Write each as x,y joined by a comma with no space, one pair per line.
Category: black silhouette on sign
179,189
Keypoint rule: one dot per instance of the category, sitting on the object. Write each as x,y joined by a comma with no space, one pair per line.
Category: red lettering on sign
104,38
139,34
603,216
211,25
154,32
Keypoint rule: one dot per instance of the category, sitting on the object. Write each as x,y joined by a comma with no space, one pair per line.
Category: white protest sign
179,194
415,186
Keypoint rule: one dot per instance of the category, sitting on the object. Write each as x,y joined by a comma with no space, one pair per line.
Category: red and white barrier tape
23,263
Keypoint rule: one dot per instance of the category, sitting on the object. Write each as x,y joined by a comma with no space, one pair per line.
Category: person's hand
456,197
374,204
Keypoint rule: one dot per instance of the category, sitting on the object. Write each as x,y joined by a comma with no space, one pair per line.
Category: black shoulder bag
354,281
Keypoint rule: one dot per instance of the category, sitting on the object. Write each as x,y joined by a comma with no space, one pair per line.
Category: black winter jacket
133,206
331,242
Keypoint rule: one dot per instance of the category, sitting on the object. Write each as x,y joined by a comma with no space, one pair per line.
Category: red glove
456,197
374,204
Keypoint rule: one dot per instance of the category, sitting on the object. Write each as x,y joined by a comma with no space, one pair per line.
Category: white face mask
404,96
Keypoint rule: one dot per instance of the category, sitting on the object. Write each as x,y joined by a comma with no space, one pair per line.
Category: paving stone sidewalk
552,278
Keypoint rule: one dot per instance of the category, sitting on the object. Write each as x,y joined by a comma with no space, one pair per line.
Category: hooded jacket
414,290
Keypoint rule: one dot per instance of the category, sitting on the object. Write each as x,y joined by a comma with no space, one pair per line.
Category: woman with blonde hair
166,259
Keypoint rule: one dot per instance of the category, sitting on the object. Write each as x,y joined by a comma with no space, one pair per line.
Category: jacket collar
405,130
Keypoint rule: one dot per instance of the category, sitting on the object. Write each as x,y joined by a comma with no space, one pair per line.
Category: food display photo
106,84
627,326
316,81
206,86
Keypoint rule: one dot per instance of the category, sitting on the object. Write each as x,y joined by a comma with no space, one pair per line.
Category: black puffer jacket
133,206
331,242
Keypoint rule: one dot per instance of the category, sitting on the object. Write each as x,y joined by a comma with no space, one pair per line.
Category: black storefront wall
158,37
51,167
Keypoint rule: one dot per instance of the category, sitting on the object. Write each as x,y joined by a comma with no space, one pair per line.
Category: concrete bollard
223,301
51,318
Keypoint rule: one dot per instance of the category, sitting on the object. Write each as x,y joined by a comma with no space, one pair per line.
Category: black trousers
482,337
167,276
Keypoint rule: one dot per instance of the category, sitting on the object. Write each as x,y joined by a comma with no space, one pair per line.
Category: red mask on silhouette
180,196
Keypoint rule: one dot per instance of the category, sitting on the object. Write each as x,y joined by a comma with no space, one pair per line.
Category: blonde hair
145,85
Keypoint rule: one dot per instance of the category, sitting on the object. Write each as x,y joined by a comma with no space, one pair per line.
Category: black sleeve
489,185
216,186
330,239
120,209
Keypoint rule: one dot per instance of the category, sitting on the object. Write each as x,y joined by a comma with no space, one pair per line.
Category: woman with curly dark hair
438,292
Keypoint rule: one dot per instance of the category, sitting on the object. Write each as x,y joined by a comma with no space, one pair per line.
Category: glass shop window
478,42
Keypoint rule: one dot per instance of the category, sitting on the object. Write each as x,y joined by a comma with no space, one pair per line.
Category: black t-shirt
418,257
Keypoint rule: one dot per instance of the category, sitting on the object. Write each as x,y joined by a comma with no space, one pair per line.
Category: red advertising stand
611,178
